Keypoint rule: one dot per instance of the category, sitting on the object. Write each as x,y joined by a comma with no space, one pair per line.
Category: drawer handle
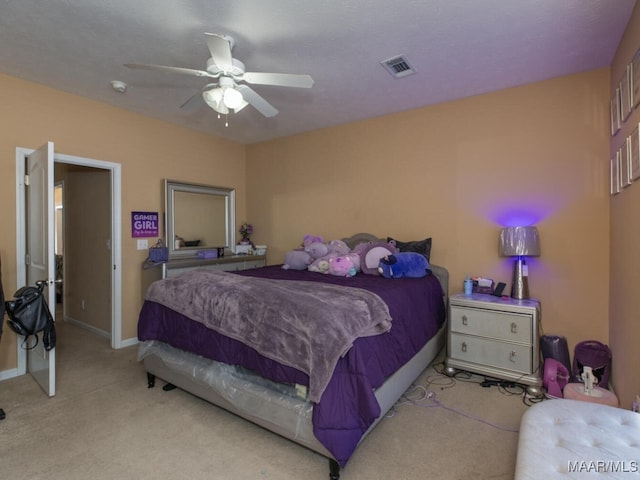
513,356
463,347
514,327
465,320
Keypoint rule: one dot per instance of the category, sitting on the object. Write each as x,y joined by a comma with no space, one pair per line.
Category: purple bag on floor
596,355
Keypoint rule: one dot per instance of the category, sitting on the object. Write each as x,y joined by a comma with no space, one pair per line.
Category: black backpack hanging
29,315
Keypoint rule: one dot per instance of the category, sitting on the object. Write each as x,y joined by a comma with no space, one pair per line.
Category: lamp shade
519,241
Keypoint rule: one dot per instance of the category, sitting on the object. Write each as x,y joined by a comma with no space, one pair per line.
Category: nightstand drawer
508,326
485,352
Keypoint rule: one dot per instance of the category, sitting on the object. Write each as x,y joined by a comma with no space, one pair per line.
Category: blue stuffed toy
404,264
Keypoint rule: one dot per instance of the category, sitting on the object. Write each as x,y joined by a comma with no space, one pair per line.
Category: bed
327,408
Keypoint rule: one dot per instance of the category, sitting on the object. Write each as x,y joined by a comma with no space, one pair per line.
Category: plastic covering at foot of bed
246,390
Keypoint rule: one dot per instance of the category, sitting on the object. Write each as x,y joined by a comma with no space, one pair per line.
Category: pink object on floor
576,391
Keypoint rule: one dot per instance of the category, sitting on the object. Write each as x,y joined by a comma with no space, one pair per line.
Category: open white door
40,252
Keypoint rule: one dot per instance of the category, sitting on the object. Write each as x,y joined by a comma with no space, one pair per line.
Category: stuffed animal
321,265
370,254
322,253
342,266
355,258
317,250
338,246
309,239
407,265
297,260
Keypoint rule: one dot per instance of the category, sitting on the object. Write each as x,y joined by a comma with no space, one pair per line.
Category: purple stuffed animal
344,265
297,260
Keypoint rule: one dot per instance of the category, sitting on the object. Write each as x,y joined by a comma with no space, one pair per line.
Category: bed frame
266,405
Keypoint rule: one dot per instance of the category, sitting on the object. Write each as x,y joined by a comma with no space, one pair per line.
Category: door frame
116,237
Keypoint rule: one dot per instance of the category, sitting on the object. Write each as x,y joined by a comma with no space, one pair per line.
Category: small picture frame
615,112
625,174
614,169
635,80
634,153
625,95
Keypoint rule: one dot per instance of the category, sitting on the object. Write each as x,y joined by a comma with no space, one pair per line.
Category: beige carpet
104,423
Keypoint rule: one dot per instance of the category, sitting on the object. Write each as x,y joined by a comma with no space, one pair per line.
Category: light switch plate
143,244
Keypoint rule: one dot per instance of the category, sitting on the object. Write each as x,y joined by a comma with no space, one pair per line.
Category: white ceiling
459,48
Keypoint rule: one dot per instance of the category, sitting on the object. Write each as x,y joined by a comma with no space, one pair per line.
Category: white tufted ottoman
571,439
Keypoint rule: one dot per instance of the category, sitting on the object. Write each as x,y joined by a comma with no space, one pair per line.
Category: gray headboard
441,273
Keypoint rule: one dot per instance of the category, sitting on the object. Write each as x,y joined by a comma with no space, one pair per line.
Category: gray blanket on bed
305,325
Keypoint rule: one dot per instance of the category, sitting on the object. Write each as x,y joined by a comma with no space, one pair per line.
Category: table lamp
519,242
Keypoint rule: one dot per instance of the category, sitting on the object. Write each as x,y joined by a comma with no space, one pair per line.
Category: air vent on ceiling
398,66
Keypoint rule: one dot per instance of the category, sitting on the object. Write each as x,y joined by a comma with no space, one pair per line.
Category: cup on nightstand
468,286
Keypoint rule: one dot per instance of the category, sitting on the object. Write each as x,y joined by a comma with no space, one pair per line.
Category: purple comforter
348,406
306,325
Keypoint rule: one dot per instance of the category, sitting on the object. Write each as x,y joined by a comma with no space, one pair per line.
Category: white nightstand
495,336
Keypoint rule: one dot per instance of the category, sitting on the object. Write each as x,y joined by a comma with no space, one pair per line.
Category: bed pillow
417,246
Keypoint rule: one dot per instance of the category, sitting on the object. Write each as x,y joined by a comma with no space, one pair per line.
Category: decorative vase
245,241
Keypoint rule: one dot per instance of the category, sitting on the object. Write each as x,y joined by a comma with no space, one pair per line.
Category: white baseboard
86,326
123,344
7,374
130,342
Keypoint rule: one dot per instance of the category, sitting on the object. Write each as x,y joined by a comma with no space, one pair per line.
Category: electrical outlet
142,244
635,405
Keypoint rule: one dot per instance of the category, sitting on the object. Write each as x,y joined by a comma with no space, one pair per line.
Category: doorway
83,264
84,172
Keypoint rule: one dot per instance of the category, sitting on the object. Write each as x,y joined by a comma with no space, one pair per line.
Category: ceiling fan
227,93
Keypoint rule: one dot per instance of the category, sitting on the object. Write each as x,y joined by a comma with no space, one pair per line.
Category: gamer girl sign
144,224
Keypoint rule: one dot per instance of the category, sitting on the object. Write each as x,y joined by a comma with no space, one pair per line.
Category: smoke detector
119,86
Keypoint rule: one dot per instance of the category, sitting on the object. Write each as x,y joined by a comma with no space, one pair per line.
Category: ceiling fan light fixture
242,105
232,98
214,98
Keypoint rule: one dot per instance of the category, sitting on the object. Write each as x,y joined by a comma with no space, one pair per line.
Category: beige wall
454,172
147,149
87,273
624,328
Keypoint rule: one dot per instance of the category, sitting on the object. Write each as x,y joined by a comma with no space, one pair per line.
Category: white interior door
40,253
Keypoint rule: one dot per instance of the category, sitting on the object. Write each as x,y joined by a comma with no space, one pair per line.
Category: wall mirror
198,217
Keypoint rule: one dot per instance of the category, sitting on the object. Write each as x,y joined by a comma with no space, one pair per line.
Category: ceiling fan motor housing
237,70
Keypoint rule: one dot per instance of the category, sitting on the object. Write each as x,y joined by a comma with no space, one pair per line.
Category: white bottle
468,286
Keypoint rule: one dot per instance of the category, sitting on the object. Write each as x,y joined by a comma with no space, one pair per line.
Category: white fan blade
279,79
220,49
257,102
162,68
